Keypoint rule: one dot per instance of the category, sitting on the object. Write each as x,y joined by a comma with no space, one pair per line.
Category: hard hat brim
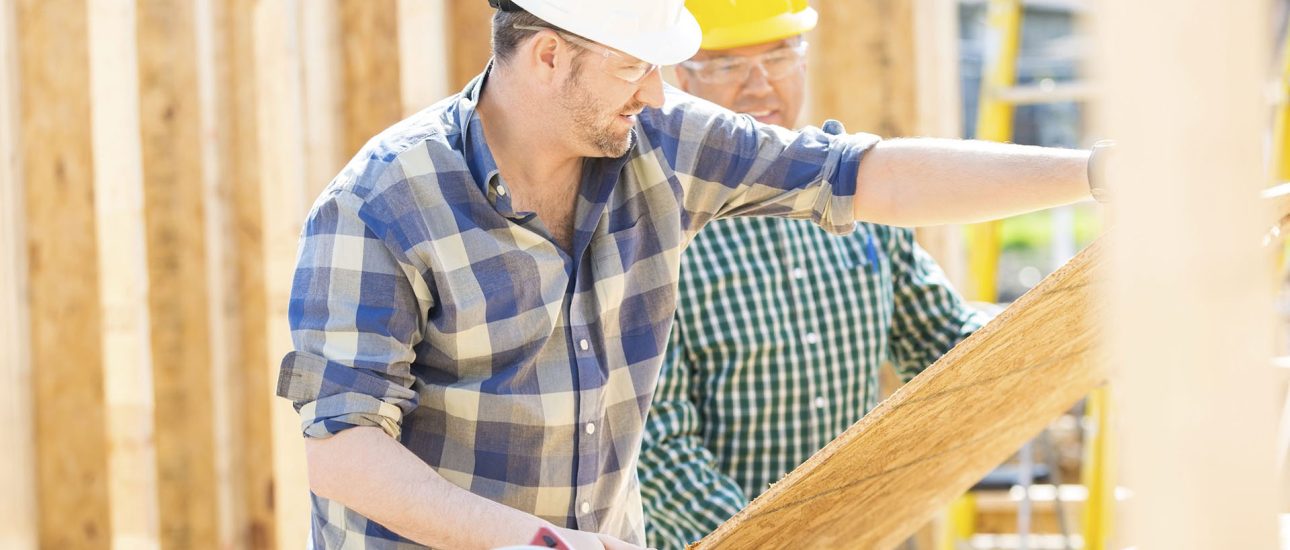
760,32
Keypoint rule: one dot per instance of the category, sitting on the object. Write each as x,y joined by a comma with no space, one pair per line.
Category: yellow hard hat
733,23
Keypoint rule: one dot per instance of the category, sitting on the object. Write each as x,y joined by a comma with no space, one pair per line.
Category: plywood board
62,260
888,474
17,466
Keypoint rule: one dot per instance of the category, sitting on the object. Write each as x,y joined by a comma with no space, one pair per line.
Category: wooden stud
67,370
123,274
1191,330
17,463
323,96
884,477
242,312
471,29
898,78
283,200
173,193
369,52
423,53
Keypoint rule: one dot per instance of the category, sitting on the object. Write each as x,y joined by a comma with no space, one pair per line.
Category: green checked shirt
780,332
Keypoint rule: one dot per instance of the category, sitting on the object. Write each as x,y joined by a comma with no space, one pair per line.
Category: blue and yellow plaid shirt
424,304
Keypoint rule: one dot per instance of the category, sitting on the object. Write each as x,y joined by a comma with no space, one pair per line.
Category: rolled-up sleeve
356,310
731,165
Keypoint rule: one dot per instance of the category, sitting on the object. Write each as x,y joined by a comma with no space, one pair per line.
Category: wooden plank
470,34
17,464
370,81
67,370
1191,333
123,276
323,95
173,196
284,201
938,113
889,473
898,77
423,53
239,260
863,66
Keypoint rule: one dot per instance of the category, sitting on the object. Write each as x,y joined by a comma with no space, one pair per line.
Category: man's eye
725,68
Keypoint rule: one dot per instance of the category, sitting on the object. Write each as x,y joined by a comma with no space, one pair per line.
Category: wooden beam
123,274
471,29
863,66
890,67
369,55
938,112
173,194
423,53
239,261
284,201
895,468
17,463
67,370
1191,330
323,96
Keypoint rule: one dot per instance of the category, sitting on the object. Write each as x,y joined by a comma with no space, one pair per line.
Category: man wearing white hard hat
483,295
781,327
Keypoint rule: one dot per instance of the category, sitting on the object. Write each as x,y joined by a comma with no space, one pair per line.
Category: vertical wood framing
938,112
173,194
236,214
370,61
323,96
67,370
891,81
471,29
17,464
423,53
870,87
123,274
278,71
1192,317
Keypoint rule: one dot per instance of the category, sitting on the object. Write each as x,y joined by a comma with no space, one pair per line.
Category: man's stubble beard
586,114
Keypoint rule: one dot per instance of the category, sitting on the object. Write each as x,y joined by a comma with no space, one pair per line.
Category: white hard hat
661,32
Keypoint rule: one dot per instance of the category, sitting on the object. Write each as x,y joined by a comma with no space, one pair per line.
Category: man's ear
544,53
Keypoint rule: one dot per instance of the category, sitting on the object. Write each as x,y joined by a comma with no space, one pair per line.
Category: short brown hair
506,37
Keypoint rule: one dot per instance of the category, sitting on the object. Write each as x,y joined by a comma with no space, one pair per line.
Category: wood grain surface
884,477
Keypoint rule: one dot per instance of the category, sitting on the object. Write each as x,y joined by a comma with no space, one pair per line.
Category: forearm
925,181
374,475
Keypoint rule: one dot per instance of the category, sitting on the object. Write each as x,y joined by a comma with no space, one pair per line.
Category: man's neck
525,142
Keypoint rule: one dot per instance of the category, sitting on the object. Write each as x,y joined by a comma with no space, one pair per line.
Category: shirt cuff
325,412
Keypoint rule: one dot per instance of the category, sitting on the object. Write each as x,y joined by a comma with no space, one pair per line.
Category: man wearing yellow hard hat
781,327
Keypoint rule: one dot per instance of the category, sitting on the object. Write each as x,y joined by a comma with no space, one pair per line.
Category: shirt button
584,344
591,428
812,338
820,402
798,273
501,190
586,507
